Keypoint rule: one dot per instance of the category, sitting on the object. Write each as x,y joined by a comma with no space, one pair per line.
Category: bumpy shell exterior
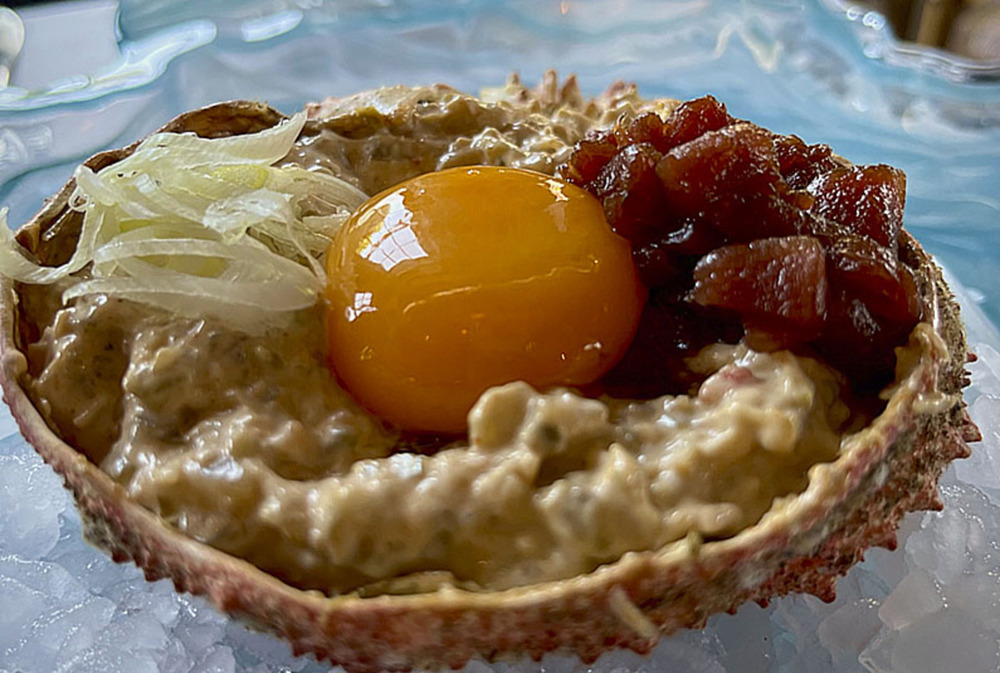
892,467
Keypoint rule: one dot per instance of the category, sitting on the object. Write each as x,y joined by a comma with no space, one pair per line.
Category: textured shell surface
891,468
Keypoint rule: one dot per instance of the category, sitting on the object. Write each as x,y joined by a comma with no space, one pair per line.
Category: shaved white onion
202,226
15,265
251,307
231,217
264,147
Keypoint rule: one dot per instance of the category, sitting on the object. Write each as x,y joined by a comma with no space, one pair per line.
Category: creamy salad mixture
246,442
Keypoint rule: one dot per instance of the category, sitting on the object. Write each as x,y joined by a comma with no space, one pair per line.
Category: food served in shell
414,377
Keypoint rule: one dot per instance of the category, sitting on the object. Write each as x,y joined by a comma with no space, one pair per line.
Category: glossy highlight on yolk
467,278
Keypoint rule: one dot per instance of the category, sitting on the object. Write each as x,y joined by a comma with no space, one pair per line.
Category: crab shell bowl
856,501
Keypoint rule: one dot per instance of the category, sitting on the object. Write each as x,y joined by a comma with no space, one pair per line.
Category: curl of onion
201,226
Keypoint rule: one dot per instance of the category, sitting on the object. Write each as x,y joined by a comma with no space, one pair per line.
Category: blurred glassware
966,28
11,42
152,33
958,40
105,65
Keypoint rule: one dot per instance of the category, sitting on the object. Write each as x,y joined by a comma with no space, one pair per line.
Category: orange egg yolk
467,278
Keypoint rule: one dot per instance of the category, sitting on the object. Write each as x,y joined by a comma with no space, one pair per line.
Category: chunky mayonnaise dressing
247,443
